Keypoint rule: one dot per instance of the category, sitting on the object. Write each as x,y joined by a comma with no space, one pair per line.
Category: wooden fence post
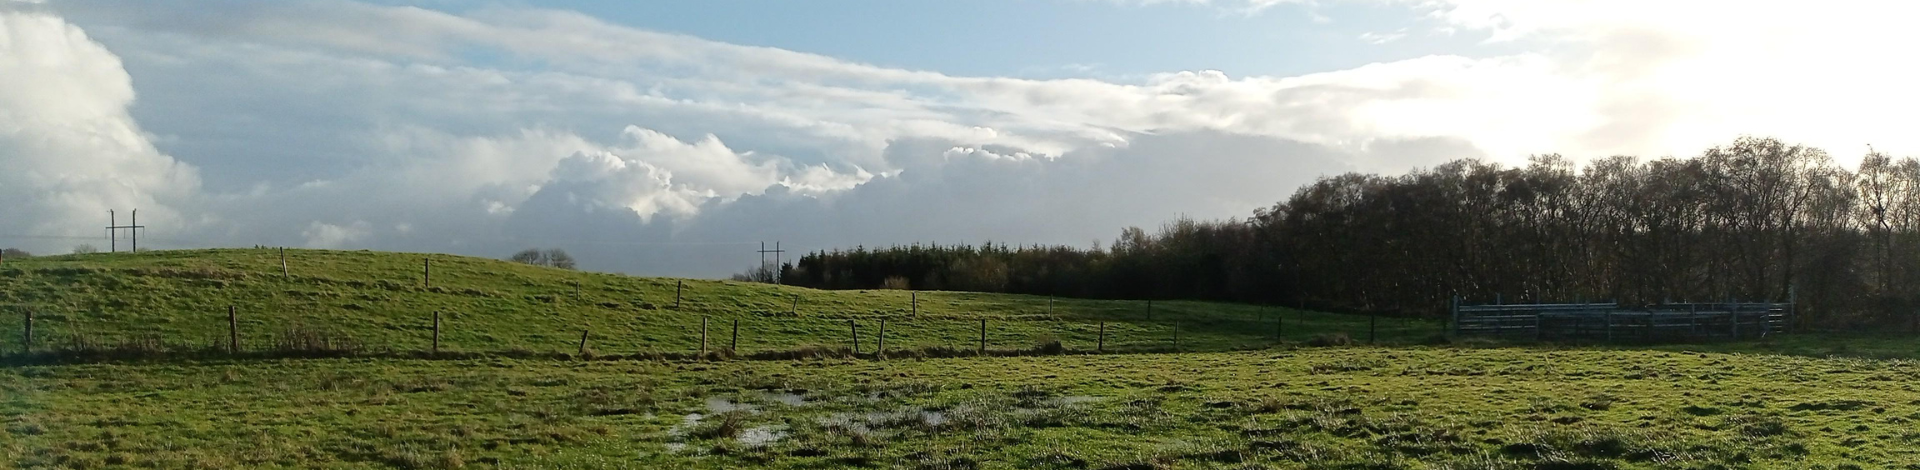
854,330
283,262
426,271
1372,319
703,337
233,331
915,301
436,332
983,336
1176,335
583,342
734,346
880,350
1102,345
1049,304
677,287
1149,309
795,309
27,337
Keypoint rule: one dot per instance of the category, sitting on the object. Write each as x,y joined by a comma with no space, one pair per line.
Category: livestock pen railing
1609,322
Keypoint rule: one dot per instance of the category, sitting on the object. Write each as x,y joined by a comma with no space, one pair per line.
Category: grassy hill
178,300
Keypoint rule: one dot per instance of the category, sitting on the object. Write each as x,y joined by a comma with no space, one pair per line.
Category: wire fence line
232,332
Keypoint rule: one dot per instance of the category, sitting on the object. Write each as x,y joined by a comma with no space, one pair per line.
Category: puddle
784,398
1078,399
761,436
717,405
933,418
871,420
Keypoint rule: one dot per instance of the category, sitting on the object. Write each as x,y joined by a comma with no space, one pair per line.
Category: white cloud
330,236
69,150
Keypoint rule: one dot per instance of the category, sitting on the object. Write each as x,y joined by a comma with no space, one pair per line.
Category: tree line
1755,220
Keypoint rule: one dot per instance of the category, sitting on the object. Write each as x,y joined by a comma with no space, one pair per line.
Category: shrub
85,249
302,340
551,257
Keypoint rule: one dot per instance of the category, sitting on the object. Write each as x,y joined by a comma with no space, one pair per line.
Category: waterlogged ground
1304,408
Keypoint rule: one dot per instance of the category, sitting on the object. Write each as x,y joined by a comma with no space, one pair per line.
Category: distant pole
27,338
983,336
576,288
113,234
233,331
703,337
583,342
283,262
426,271
914,298
854,330
734,345
135,230
1101,346
677,287
436,332
881,349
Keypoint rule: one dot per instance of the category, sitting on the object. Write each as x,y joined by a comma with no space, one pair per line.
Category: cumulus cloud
70,150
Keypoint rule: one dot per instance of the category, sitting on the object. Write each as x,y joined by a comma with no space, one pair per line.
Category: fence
1611,323
275,333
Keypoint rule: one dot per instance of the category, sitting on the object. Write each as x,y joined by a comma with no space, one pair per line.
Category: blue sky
1048,39
673,137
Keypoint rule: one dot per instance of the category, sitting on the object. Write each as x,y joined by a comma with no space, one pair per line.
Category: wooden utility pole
774,277
114,228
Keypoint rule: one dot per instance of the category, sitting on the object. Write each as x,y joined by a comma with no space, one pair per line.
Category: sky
671,138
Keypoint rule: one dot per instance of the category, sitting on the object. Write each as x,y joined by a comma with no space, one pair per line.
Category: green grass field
380,301
1354,407
1238,397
